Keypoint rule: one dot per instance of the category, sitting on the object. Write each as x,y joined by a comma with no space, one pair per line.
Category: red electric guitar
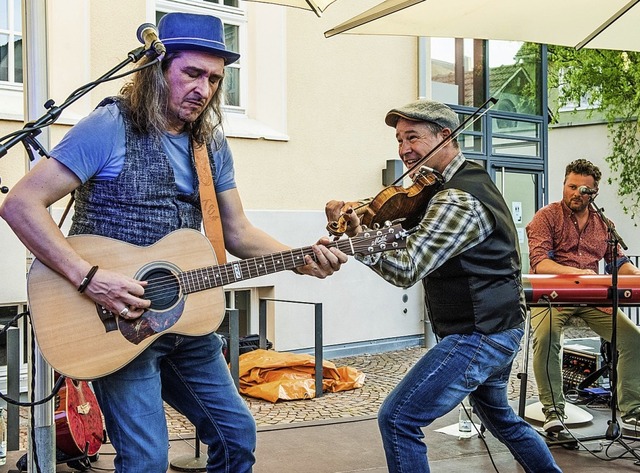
79,428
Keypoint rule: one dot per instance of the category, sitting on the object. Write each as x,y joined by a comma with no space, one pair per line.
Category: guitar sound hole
163,288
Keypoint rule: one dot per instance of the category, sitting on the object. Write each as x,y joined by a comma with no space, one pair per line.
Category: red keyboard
579,289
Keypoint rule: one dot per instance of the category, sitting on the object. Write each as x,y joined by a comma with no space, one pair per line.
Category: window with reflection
457,71
522,138
457,78
514,78
10,41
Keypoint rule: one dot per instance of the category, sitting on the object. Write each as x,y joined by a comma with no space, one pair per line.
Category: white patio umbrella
316,6
601,24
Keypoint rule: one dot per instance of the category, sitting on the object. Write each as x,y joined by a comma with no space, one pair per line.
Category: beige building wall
317,132
337,92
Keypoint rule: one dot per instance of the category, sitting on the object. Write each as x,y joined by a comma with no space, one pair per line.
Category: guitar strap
209,203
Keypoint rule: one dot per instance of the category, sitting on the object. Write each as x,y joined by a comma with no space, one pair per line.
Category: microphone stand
32,129
614,240
27,137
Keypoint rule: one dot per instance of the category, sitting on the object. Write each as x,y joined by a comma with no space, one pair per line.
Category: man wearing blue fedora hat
131,166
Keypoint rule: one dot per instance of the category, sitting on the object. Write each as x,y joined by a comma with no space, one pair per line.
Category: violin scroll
340,226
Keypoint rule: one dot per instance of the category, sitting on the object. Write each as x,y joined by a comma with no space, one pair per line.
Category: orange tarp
271,375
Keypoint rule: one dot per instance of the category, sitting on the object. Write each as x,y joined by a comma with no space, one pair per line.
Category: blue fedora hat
193,32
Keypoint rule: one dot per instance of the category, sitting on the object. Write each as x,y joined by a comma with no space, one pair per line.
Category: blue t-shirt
95,149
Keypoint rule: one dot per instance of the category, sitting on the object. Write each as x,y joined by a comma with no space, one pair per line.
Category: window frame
12,31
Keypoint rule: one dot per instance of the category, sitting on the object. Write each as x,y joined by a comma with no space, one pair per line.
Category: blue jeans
191,375
459,365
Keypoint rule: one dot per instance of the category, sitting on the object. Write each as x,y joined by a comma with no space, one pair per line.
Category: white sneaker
553,421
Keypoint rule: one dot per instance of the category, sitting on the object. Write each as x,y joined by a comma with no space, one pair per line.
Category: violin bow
479,112
470,120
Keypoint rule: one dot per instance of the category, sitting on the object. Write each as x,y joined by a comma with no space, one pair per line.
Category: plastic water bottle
464,422
3,436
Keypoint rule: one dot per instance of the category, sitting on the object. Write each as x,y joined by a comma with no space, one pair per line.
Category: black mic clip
136,54
147,34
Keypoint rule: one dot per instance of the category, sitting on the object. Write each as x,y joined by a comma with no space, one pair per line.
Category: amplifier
582,357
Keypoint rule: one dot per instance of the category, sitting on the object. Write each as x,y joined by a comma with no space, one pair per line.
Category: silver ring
124,312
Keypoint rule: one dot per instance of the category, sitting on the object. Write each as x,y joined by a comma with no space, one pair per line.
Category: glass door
522,190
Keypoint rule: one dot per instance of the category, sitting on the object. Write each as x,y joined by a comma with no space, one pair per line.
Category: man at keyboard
569,237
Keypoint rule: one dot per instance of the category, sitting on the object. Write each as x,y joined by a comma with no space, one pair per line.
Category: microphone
584,190
148,35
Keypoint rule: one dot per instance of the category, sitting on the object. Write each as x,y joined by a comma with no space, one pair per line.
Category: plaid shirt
454,222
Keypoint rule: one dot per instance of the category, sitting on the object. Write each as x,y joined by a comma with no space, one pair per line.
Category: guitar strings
218,275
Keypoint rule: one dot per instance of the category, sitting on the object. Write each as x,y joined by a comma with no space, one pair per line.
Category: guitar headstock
386,238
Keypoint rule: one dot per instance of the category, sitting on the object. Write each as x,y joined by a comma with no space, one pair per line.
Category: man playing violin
569,237
465,252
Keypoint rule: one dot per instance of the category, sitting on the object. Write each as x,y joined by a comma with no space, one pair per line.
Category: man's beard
577,205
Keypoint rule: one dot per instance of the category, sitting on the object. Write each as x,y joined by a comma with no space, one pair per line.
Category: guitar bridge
107,317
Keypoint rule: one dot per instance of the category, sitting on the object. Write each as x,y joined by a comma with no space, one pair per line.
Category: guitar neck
214,276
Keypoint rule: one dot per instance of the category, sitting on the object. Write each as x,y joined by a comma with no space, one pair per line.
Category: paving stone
382,373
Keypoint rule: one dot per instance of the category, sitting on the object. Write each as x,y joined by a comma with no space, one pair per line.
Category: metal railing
262,324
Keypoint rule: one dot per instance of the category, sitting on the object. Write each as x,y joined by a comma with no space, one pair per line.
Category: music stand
614,240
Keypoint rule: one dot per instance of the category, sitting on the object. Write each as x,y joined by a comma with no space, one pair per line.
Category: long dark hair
146,99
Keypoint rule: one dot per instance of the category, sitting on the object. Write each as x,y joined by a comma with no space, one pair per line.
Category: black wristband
87,279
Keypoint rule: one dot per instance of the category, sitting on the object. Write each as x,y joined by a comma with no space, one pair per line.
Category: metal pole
36,79
13,388
262,323
234,345
318,348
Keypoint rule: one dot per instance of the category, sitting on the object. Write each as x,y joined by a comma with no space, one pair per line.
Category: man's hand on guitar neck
118,293
327,260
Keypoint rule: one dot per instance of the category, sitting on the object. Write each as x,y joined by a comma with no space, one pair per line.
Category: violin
395,203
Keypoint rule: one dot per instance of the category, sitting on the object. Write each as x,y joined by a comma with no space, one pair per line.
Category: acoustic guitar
79,428
83,341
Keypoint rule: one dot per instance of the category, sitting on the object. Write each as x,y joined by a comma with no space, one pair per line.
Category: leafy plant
609,81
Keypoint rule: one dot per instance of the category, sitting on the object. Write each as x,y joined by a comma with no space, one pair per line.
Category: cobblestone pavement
382,371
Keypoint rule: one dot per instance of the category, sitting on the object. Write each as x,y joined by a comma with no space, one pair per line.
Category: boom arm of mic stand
610,227
31,129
